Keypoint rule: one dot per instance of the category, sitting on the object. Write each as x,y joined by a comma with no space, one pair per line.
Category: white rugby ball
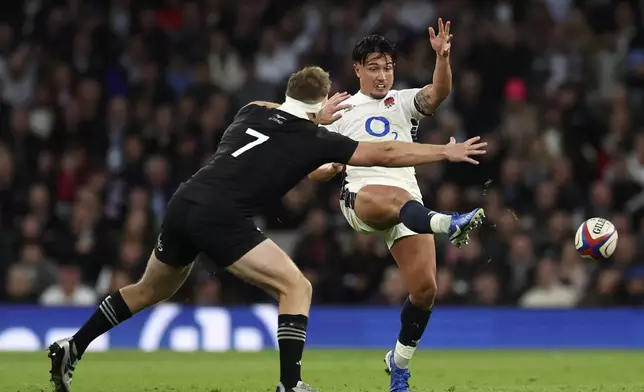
596,239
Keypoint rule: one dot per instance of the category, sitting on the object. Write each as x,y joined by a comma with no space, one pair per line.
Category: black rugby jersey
262,155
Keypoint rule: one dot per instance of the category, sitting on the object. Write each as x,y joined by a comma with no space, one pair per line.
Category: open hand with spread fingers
462,152
441,42
333,108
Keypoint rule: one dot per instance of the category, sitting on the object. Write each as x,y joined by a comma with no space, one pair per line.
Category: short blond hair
309,85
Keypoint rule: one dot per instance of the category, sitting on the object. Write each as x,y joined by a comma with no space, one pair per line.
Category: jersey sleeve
407,104
333,147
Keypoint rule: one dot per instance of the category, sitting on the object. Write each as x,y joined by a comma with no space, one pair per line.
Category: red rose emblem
389,101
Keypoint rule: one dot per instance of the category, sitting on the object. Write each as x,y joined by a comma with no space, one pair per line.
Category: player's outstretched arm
401,154
429,98
326,172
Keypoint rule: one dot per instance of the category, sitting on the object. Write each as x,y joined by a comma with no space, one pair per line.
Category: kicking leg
159,282
268,267
383,206
416,258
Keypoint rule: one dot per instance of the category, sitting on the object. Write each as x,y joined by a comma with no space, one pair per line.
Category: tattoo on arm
423,102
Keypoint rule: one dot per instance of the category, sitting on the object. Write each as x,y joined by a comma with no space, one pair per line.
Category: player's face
376,75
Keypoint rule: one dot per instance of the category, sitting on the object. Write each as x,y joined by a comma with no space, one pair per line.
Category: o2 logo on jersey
379,126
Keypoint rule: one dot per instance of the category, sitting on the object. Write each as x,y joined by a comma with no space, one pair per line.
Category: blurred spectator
447,288
487,291
225,65
317,253
105,111
19,285
362,266
44,271
69,290
548,291
208,293
393,291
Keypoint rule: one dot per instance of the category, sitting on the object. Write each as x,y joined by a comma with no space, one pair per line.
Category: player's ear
356,69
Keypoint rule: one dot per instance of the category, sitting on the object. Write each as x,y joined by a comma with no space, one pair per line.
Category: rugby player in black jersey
266,151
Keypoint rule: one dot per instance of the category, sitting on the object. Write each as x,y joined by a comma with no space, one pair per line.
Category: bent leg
379,205
416,258
384,206
268,267
159,282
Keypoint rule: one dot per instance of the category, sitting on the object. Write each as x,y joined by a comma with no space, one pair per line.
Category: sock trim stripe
108,303
108,315
286,336
296,333
110,308
299,333
290,329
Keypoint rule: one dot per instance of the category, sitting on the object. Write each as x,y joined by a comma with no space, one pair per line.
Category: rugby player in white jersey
388,201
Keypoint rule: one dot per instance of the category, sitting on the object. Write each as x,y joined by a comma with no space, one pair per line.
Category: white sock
439,223
402,355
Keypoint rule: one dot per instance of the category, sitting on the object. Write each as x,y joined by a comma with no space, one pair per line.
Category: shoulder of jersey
351,100
357,101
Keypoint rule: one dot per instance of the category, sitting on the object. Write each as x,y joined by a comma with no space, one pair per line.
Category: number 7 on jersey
261,138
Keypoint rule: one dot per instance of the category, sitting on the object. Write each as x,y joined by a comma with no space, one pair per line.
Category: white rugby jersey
394,117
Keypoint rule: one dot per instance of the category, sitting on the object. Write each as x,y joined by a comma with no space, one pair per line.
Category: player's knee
399,199
424,294
307,288
304,288
299,286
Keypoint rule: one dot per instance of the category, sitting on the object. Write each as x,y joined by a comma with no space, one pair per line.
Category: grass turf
356,371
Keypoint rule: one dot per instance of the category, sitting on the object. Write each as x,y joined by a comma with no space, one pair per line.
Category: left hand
333,168
441,43
331,111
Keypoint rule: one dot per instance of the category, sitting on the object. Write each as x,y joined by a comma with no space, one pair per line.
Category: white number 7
261,138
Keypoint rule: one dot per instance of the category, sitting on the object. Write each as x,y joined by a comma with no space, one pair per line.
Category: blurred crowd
106,106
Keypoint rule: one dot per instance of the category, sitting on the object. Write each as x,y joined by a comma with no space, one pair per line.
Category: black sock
413,323
291,336
110,313
417,217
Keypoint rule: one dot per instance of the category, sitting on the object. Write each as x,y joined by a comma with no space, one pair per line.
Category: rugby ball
596,239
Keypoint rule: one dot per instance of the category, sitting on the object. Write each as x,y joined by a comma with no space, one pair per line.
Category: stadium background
107,106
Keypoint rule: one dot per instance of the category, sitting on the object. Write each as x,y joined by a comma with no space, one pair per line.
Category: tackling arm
429,98
396,154
325,172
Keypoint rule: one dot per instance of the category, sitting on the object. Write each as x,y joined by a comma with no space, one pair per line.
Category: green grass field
356,371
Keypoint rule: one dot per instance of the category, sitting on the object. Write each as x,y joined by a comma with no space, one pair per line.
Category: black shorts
214,229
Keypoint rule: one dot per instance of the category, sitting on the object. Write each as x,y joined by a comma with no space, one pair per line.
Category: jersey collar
364,97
